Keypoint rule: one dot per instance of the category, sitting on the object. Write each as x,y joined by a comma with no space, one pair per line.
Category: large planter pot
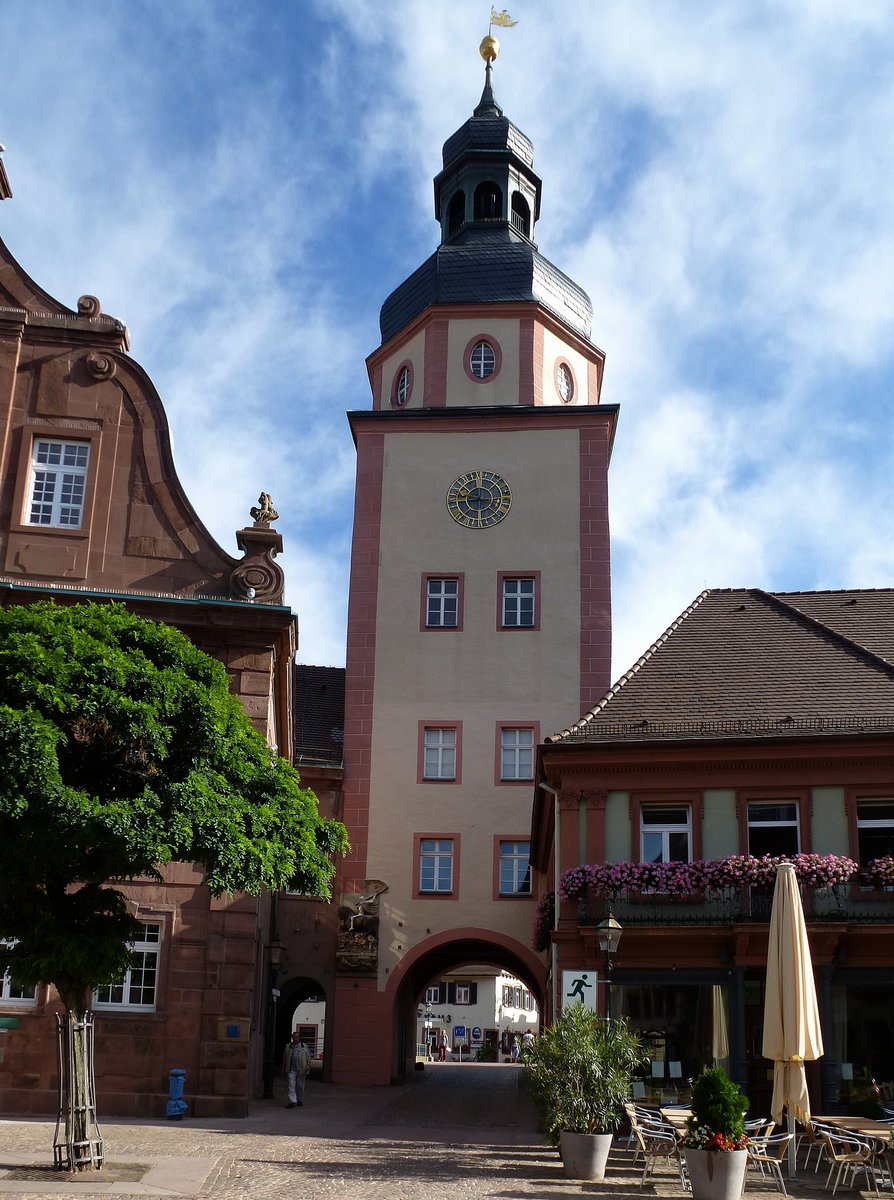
716,1174
584,1155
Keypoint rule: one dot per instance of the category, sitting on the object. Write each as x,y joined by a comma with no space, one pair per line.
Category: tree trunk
78,1144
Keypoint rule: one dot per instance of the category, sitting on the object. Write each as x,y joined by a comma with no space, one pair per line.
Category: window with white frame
507,996
665,833
518,603
515,868
439,753
139,987
432,994
516,753
482,360
402,390
12,992
441,603
463,994
875,830
58,483
773,828
436,865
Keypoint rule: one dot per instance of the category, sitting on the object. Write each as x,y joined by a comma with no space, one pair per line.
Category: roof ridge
634,670
857,648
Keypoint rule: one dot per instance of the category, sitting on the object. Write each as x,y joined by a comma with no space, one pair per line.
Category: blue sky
242,184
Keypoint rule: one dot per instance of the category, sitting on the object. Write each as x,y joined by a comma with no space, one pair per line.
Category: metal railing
741,905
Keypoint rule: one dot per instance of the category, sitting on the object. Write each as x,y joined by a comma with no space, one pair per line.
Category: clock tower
479,615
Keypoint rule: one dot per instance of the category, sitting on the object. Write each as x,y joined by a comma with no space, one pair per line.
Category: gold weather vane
502,19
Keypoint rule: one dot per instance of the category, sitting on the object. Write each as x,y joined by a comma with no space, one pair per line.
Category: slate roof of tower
488,129
487,271
490,132
318,714
487,265
745,663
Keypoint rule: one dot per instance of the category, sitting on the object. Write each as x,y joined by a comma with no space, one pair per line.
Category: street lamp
276,956
609,932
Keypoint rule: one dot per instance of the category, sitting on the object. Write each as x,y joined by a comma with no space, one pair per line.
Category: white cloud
243,186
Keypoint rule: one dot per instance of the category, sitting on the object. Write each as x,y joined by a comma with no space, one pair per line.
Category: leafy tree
123,750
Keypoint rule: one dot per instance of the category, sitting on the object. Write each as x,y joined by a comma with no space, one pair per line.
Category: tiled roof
318,714
748,663
487,270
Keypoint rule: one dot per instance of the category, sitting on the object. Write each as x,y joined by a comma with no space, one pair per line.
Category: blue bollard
176,1104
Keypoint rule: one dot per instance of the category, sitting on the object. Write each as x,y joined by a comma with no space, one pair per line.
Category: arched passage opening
302,1005
439,956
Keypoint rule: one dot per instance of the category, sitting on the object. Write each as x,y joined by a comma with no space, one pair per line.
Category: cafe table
864,1125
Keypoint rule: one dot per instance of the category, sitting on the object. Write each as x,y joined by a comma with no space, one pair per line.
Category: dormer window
488,202
520,216
456,214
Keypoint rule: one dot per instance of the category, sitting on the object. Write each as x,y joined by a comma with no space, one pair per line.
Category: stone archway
292,993
441,954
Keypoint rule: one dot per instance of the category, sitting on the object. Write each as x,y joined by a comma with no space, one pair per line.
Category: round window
565,382
482,360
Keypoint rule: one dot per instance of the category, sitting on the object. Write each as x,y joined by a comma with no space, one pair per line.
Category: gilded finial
489,48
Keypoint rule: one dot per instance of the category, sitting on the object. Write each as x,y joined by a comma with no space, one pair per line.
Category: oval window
565,382
482,360
402,388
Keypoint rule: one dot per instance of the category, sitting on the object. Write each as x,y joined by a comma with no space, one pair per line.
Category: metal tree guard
77,1142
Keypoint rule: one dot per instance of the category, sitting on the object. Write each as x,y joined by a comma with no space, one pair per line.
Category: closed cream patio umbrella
791,1017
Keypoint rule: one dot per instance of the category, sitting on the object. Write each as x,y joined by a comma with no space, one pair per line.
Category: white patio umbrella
791,1017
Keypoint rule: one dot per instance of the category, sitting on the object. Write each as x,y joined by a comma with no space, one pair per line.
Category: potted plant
579,1072
715,1142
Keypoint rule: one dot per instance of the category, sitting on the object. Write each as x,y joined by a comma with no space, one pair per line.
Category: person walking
442,1046
296,1068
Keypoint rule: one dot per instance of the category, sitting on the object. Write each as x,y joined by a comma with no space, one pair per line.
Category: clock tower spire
479,606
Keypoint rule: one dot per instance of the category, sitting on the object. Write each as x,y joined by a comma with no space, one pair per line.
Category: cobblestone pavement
463,1131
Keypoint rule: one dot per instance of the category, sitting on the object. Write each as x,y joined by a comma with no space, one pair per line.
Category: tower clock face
479,499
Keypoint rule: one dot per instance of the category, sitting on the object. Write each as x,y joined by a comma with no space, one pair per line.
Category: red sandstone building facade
91,510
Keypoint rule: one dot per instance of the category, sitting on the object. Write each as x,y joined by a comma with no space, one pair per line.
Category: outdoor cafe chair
768,1153
659,1146
649,1118
848,1155
879,1160
811,1136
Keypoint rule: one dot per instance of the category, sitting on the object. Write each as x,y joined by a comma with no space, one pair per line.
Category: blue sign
476,1033
459,1031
